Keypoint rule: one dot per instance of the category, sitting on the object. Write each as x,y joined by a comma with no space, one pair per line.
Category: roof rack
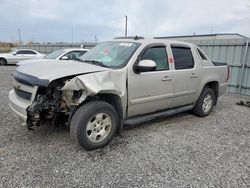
131,37
202,35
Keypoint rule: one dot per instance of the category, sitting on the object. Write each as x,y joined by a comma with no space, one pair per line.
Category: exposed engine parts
52,105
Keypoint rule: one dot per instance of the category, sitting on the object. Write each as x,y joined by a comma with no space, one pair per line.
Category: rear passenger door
185,77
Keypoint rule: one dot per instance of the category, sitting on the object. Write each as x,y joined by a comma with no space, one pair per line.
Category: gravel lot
180,151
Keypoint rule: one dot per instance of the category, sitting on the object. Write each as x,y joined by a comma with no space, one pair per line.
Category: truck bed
217,63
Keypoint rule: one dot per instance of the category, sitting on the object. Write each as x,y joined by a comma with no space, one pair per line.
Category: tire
94,125
3,61
205,103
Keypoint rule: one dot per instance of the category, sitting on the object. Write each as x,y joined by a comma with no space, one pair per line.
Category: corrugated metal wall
236,52
48,48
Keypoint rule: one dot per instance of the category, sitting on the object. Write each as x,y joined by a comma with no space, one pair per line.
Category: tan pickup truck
123,81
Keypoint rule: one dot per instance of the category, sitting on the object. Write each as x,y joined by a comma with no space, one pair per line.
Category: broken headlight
73,97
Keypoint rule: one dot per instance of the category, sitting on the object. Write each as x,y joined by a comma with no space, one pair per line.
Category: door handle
193,75
166,78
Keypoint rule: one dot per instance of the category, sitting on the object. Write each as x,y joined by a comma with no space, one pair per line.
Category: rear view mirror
145,66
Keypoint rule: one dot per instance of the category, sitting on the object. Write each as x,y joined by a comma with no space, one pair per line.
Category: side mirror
65,58
14,53
145,66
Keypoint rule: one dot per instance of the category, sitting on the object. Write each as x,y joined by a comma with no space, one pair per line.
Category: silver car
62,54
18,55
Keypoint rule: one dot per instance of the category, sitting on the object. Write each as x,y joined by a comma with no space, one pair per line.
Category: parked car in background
62,54
18,55
124,81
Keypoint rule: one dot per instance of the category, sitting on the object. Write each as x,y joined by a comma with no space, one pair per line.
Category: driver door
150,91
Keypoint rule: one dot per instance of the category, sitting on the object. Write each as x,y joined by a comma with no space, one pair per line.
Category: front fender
110,81
106,82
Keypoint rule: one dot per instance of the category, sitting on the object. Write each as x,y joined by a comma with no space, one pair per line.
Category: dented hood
51,70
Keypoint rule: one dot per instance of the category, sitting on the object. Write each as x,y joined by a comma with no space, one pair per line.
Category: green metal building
232,48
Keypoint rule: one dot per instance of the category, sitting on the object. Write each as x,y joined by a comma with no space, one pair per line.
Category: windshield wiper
95,62
92,62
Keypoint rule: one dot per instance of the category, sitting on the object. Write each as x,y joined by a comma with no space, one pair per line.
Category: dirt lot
180,151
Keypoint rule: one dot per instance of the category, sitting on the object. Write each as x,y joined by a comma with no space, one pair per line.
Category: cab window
157,54
183,58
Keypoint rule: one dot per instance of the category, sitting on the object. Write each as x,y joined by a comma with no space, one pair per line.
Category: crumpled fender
109,81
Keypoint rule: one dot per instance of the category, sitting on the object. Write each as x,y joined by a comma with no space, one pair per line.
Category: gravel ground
180,151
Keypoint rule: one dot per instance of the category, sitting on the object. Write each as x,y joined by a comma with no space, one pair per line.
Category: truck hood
22,62
51,70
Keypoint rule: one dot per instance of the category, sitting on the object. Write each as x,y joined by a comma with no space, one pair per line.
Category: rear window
183,58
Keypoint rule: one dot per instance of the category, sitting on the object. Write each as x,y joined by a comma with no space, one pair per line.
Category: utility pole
95,38
72,35
19,35
126,26
212,31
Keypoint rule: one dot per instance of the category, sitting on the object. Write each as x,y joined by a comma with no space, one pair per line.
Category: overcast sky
56,20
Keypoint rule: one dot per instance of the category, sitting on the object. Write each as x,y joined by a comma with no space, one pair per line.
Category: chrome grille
24,90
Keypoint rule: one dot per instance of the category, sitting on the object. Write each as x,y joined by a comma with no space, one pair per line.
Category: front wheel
205,103
3,61
94,125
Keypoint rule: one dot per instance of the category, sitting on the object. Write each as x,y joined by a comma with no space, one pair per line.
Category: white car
62,54
18,55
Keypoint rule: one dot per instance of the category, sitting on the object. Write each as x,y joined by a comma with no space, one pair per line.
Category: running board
152,116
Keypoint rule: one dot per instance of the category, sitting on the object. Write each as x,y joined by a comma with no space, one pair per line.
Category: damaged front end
57,102
53,105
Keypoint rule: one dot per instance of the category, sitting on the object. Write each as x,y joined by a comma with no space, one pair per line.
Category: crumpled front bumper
18,106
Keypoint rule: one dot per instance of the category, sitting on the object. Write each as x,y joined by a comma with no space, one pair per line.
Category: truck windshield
110,54
55,54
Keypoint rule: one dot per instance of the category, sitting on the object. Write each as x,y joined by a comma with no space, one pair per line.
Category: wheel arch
112,99
214,85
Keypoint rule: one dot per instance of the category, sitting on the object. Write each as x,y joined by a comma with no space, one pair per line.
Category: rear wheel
3,61
94,125
205,103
